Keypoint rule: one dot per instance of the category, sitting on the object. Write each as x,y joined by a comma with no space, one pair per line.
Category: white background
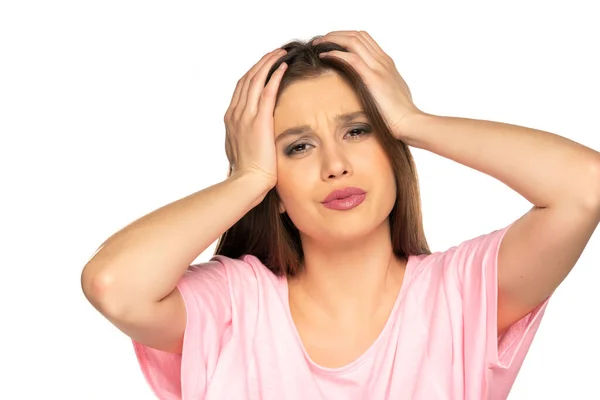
109,110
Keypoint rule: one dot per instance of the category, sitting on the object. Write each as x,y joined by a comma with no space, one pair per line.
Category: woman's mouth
344,199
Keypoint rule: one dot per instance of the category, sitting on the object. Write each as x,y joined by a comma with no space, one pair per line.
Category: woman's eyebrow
298,130
347,117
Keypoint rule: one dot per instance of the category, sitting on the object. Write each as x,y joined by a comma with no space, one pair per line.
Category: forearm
544,168
144,261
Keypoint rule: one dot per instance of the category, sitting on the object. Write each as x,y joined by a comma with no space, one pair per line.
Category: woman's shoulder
460,260
244,282
242,264
244,269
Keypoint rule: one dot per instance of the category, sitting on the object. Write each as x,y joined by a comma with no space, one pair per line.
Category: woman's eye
357,132
299,148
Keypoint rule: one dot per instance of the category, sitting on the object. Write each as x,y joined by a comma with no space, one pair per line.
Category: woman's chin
346,234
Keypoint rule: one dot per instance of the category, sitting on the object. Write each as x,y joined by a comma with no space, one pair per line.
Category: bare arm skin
132,277
560,177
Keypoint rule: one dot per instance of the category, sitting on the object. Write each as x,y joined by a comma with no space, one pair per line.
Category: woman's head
329,135
325,141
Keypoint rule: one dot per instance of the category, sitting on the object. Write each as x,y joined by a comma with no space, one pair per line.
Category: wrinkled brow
340,118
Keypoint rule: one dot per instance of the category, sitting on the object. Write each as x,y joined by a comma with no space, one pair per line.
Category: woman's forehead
324,96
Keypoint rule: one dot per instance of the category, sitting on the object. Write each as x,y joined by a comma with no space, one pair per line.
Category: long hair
271,236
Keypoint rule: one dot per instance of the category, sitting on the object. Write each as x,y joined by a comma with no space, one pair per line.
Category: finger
235,98
257,84
238,87
355,44
358,34
353,59
266,104
250,78
376,48
250,72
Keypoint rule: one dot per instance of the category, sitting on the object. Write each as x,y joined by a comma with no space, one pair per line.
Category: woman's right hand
250,141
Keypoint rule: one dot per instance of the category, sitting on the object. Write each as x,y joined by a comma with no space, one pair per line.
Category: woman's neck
348,280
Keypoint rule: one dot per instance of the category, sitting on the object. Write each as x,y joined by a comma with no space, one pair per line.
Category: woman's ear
280,206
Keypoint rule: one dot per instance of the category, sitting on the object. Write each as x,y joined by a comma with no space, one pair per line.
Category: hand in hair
249,121
379,73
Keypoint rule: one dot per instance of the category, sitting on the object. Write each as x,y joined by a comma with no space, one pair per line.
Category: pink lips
344,199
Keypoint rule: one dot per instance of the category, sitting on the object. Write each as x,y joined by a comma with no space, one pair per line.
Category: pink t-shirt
440,340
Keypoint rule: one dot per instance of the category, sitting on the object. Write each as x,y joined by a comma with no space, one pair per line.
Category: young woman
323,286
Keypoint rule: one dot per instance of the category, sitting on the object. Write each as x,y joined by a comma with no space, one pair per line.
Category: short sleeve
476,264
205,292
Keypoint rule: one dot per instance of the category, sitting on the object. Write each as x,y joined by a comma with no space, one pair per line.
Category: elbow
98,289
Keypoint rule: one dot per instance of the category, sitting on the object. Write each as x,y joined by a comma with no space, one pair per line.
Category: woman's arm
560,177
143,261
545,168
132,277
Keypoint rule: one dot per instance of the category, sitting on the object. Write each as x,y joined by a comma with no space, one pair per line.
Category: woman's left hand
379,73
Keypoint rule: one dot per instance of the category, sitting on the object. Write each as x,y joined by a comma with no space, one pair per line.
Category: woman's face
329,152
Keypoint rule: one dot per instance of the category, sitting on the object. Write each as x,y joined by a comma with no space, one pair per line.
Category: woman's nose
334,164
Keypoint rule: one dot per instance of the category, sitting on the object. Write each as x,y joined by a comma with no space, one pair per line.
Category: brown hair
271,236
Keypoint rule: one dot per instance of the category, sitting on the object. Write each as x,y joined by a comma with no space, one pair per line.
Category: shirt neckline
373,347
